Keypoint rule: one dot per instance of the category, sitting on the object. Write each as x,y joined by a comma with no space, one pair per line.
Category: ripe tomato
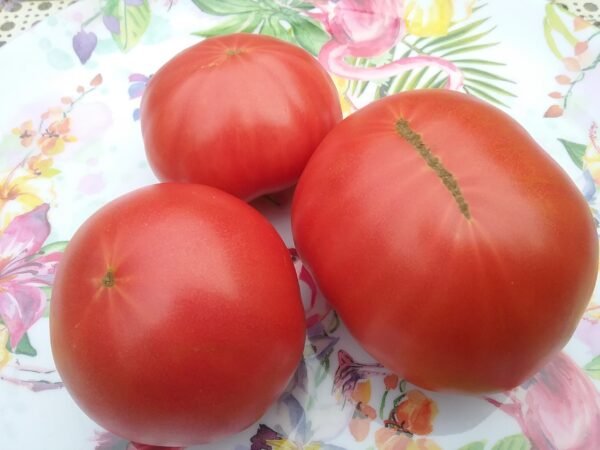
454,248
240,112
176,315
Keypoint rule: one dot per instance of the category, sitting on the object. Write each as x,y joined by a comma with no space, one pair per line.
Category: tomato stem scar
109,279
233,51
413,138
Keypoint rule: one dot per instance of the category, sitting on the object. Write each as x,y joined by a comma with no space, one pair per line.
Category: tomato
457,252
176,316
240,112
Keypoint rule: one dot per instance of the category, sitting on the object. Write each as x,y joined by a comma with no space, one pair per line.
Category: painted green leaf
478,445
550,40
24,347
299,4
478,62
593,368
484,94
221,8
58,246
489,87
402,386
429,83
47,290
322,371
514,442
273,27
439,84
485,74
557,24
133,21
414,81
459,43
354,84
455,34
575,151
240,23
399,83
308,34
470,48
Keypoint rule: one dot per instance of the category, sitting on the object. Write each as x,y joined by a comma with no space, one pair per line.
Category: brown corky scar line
414,139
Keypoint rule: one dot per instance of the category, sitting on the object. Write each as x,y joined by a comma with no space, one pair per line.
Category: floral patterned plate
70,142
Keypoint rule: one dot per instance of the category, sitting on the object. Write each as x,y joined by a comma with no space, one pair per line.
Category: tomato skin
200,332
248,140
452,303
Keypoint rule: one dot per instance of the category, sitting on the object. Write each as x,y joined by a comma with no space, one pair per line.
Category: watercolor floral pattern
339,398
571,40
27,266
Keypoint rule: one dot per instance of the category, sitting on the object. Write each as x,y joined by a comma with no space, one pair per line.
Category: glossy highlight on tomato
240,112
456,251
176,316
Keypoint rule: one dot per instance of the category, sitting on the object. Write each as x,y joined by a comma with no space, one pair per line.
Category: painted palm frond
460,46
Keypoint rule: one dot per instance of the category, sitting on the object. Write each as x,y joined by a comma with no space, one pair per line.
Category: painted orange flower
25,132
389,439
414,414
53,139
391,381
364,413
361,420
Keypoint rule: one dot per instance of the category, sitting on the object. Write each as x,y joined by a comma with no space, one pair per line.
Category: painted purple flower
268,439
260,441
84,44
112,24
558,408
350,372
136,89
24,271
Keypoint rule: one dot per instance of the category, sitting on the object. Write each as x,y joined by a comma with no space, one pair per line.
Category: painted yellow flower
4,354
41,166
341,84
286,444
433,17
20,194
591,159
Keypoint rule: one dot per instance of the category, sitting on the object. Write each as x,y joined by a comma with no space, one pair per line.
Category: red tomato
455,249
240,112
176,316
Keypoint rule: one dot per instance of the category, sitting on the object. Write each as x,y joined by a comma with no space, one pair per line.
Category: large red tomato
176,316
240,112
455,249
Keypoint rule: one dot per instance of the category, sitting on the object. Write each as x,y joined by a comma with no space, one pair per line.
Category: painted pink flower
24,271
558,408
368,28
